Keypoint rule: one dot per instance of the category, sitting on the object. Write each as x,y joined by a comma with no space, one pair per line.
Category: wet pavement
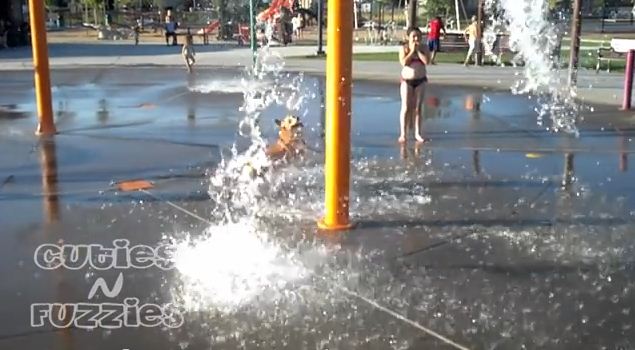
600,88
497,234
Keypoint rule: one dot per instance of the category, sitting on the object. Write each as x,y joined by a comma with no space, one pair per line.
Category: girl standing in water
413,56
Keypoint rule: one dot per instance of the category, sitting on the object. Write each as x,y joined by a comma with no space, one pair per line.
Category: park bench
607,54
454,40
195,32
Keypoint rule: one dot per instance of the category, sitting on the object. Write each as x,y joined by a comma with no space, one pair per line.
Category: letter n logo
101,284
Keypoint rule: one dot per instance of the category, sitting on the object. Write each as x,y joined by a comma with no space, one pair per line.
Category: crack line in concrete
402,318
78,132
35,332
343,289
6,181
177,207
437,244
466,235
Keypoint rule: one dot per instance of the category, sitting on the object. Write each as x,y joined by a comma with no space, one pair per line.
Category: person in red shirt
434,36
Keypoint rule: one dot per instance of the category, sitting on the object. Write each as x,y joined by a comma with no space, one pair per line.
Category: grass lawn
607,36
587,58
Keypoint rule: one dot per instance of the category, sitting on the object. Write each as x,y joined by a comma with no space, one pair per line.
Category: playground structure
275,9
273,15
210,28
276,20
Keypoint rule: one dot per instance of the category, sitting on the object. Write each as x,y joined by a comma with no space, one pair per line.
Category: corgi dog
290,144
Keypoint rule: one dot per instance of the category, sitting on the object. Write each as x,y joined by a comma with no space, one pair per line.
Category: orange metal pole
46,125
339,67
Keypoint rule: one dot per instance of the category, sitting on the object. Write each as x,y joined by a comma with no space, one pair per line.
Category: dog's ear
278,122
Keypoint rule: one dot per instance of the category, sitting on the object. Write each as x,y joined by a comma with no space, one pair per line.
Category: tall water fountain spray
236,259
536,41
236,192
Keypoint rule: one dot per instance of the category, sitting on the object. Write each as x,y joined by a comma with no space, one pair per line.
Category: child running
188,53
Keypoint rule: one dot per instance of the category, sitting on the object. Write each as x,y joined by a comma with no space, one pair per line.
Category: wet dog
290,144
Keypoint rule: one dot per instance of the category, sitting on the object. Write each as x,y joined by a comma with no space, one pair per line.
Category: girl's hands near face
413,45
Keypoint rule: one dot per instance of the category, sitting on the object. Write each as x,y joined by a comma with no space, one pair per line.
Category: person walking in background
137,31
261,37
296,22
302,24
470,37
434,37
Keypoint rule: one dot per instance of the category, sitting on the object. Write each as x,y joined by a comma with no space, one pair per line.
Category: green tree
221,8
441,8
134,3
559,4
95,5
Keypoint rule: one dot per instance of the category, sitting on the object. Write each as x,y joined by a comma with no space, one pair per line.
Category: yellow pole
339,66
46,125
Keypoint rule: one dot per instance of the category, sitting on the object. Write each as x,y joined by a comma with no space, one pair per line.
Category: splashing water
236,191
237,259
535,40
231,265
228,86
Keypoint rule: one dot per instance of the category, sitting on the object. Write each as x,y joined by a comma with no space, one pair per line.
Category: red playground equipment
274,9
243,34
241,31
209,28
